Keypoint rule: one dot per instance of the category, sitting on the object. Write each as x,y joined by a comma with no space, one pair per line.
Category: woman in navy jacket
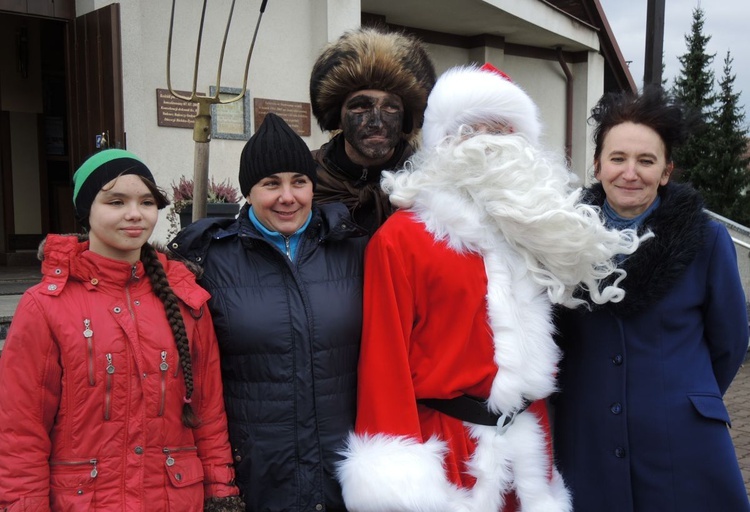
285,280
640,424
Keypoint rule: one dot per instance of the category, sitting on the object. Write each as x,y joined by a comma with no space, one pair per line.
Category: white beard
475,192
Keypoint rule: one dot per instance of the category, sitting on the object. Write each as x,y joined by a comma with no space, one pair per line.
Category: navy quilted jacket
289,336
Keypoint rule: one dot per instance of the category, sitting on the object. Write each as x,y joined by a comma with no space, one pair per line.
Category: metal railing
741,243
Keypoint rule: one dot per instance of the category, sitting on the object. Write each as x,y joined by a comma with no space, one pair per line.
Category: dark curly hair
653,107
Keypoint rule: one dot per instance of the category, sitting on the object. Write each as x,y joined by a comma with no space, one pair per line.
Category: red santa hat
470,95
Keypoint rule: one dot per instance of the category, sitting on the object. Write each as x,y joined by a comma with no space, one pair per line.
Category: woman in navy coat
640,423
286,280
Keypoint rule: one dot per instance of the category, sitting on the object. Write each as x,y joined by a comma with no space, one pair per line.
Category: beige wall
25,162
290,38
544,80
587,93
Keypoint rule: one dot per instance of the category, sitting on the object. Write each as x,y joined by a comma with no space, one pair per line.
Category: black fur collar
680,226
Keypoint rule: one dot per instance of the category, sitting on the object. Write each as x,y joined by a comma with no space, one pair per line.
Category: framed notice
296,114
230,120
174,112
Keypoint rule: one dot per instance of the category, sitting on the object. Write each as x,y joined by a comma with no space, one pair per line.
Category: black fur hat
372,58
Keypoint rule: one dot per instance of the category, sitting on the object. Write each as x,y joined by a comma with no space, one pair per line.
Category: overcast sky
726,21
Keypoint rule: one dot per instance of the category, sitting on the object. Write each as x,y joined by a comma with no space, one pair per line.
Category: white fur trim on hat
468,95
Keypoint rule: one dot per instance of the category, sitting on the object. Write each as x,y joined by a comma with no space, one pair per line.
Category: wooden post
202,138
652,69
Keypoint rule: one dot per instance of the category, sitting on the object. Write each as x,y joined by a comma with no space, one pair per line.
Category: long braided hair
160,284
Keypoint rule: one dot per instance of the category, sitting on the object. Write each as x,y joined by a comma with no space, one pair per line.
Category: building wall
587,93
291,36
289,39
544,80
25,163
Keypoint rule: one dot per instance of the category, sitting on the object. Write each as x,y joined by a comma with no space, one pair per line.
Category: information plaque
296,114
174,112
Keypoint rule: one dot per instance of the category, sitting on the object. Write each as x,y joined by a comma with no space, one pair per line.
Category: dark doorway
60,88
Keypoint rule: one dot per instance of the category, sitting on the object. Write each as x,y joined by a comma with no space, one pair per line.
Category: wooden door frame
95,93
6,182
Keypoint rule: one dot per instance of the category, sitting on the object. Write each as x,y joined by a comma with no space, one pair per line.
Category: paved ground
14,280
738,403
8,305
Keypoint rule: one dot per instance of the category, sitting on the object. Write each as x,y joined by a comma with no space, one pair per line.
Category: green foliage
712,158
694,88
730,152
695,84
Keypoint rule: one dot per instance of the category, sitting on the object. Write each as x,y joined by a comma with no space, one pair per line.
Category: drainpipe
568,104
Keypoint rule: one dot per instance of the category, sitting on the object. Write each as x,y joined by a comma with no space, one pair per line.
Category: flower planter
217,210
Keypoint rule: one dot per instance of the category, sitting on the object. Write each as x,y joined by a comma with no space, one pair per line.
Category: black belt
472,410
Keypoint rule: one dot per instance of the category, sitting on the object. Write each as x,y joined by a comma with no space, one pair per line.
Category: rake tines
202,125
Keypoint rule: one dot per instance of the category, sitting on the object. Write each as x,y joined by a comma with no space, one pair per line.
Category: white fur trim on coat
467,95
382,473
519,309
520,316
515,461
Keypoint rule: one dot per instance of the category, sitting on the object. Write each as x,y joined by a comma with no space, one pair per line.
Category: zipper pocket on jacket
108,388
94,471
89,335
163,367
133,278
169,451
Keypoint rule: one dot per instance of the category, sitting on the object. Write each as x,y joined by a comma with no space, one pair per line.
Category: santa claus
457,352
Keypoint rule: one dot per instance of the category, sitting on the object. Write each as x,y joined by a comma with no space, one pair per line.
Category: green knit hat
98,170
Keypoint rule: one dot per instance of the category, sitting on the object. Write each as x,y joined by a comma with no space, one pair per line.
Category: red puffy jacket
91,392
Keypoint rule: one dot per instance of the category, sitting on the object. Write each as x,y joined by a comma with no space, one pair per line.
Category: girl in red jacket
110,389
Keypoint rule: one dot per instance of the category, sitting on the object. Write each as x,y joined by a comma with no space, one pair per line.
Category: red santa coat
439,322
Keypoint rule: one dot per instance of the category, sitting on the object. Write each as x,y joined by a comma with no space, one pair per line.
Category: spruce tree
694,88
730,152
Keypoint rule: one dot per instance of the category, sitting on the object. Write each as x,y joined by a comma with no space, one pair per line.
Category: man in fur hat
372,86
457,354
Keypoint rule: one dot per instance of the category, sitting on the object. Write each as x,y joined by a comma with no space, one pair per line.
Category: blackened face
372,122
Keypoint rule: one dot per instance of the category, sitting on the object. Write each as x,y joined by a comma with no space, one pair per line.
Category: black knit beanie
98,170
274,148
